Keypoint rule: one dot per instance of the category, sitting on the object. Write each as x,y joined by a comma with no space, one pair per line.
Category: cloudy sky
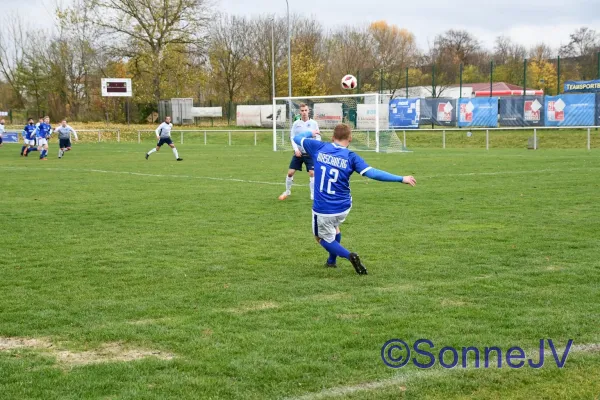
526,21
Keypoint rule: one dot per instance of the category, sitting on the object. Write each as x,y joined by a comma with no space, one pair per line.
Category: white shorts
42,142
28,142
324,226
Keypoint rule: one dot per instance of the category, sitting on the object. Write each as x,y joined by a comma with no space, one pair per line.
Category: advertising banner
521,111
571,110
478,111
328,115
366,116
248,116
404,113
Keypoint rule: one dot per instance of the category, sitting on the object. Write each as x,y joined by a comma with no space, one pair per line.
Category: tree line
186,48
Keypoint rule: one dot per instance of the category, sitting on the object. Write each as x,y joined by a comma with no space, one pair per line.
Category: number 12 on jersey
334,173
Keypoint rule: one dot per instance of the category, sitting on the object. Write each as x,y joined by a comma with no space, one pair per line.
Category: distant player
64,137
1,130
42,133
334,164
304,124
28,138
163,136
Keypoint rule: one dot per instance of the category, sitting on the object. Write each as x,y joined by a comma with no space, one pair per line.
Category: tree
542,75
148,28
583,47
262,59
229,54
12,44
395,50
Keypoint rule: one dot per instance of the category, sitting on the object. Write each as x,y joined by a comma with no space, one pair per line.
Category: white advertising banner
207,112
365,118
328,115
248,116
266,115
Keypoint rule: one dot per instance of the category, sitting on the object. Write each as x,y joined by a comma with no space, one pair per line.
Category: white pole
273,87
444,138
589,140
139,137
534,138
204,137
377,122
289,58
368,141
181,137
99,136
487,139
230,138
255,138
119,135
404,138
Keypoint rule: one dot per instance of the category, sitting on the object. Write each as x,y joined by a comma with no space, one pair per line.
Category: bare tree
541,52
583,41
12,44
229,53
149,27
260,52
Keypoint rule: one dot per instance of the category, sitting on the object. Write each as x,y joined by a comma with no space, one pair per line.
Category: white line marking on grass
411,375
151,175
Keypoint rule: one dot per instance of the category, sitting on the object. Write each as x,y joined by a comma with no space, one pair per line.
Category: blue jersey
333,166
29,132
44,130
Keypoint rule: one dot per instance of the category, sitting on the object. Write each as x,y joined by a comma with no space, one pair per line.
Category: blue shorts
166,140
0,139
64,143
297,162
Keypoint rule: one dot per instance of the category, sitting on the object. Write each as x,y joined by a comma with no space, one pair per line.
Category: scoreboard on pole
116,87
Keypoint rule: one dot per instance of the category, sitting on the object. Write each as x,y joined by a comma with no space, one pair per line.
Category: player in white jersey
163,136
304,124
1,130
64,137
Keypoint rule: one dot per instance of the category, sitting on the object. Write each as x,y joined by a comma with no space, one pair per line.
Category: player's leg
175,153
326,229
310,167
154,150
295,165
331,261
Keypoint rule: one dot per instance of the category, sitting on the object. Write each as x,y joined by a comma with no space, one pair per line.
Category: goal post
366,114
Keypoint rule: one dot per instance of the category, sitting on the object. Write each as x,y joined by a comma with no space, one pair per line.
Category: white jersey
164,130
64,132
1,130
300,127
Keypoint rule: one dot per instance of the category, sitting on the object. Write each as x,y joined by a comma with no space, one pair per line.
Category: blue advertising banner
598,109
405,113
438,112
10,137
571,110
521,111
582,86
478,111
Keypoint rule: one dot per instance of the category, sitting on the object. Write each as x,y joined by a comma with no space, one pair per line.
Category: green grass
496,248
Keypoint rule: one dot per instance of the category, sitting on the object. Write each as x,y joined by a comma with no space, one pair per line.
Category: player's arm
74,134
294,145
157,131
305,140
364,169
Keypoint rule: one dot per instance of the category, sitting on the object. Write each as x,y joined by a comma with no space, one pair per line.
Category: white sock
59,152
152,151
175,152
311,184
288,183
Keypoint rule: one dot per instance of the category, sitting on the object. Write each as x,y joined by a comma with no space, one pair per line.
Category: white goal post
366,114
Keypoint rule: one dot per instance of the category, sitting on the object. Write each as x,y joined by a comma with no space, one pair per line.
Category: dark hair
342,132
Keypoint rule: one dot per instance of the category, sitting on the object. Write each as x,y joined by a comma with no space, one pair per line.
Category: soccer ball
349,82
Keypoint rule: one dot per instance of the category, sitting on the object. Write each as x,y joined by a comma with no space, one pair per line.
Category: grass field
122,278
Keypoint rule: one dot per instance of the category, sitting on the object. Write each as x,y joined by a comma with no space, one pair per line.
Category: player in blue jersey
334,164
43,132
28,138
